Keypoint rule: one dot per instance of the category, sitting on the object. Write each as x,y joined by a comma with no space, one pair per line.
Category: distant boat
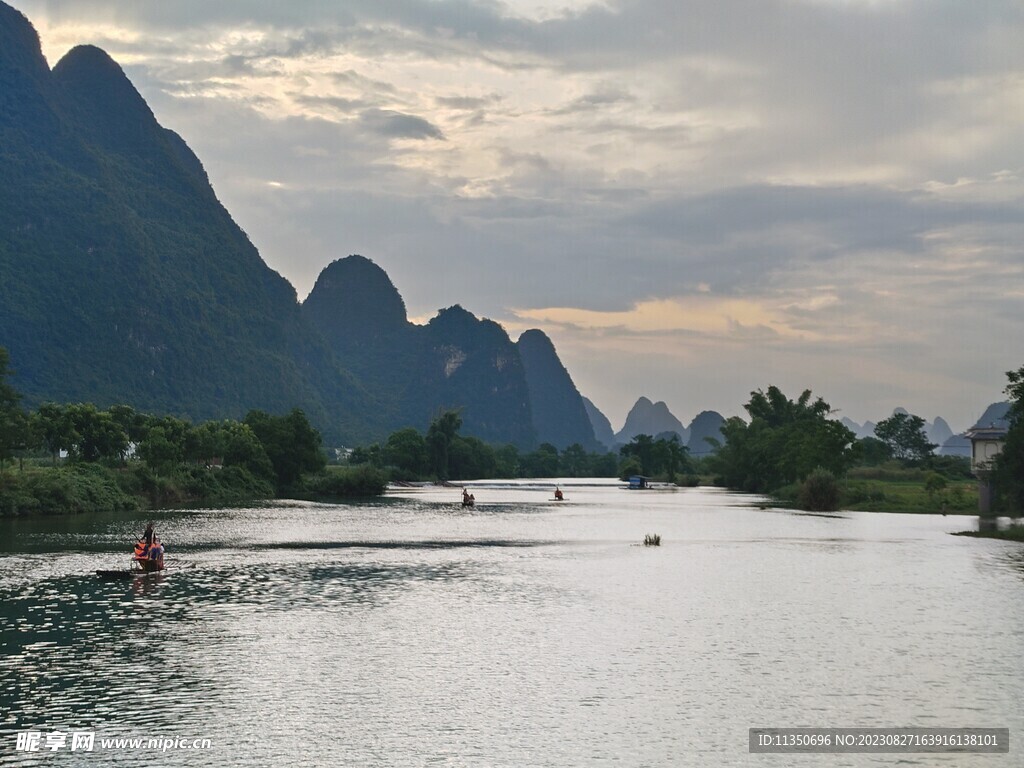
639,483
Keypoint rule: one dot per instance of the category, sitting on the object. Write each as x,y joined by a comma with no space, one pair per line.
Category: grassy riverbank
75,488
873,489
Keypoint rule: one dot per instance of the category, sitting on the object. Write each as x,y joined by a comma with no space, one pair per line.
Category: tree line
167,459
443,454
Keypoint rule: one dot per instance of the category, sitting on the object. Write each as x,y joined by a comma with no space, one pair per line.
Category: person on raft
156,551
145,542
558,494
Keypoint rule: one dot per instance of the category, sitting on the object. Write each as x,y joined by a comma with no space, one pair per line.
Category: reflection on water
520,632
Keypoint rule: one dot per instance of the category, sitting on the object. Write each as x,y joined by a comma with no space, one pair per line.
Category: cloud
396,125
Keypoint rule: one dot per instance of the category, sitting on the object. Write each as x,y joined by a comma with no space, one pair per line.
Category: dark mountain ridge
559,413
455,361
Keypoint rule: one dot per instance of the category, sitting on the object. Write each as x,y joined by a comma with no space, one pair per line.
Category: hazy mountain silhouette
601,426
647,418
559,413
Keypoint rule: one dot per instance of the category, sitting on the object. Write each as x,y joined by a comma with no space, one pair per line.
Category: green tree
574,461
469,458
872,451
783,443
291,443
15,429
99,436
160,451
641,447
542,462
56,428
819,491
604,465
439,437
1008,470
904,434
406,450
131,421
507,461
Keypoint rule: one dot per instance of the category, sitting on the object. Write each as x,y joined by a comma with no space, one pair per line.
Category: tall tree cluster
783,443
1008,474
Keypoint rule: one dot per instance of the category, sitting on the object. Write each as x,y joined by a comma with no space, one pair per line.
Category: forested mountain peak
559,414
106,104
354,296
19,44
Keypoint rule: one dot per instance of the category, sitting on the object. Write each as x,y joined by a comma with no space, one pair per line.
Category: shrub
342,482
819,491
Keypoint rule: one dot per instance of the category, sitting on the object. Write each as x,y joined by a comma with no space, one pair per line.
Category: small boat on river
138,568
146,560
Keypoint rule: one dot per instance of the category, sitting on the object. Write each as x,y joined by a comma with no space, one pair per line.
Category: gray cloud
396,125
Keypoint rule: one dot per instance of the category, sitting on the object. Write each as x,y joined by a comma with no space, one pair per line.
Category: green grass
958,498
64,490
871,489
73,488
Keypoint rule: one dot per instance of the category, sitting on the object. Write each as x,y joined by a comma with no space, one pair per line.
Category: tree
15,431
439,436
406,450
1008,470
469,458
506,461
872,451
904,434
574,462
641,447
131,421
160,452
56,428
664,456
783,443
291,443
99,436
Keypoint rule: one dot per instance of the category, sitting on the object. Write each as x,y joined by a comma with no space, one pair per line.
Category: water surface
412,631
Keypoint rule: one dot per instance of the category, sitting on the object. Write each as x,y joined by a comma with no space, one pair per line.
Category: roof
991,432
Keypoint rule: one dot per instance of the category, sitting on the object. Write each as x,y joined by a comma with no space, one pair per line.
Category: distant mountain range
939,431
656,420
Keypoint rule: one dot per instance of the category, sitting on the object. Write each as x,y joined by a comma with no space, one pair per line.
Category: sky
694,199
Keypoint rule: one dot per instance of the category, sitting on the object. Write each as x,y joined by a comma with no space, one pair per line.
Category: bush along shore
68,459
75,488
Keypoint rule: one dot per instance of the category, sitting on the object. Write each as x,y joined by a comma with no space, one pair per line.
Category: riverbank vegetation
443,454
1008,472
76,458
794,452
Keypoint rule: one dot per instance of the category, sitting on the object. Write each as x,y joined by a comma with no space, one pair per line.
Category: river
523,632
